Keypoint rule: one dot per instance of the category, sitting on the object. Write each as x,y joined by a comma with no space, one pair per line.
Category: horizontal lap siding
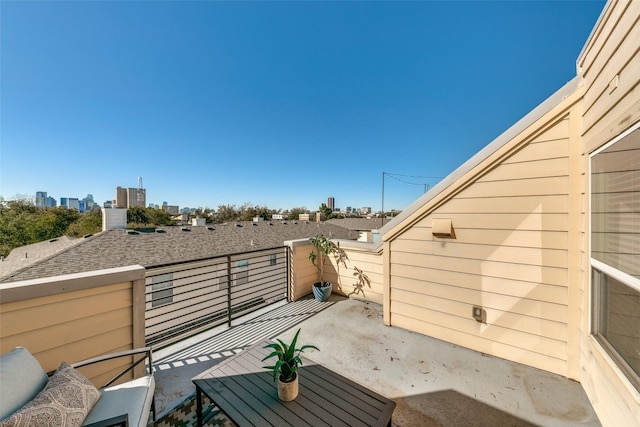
613,53
371,265
509,255
72,326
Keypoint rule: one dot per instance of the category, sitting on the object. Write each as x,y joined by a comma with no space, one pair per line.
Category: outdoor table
245,392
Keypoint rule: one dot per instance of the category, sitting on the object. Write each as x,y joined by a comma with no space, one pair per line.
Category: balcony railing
185,298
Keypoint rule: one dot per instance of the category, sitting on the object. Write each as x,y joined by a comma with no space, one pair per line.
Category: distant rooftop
359,224
164,245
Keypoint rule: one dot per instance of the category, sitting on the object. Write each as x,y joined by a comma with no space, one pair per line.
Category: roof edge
387,231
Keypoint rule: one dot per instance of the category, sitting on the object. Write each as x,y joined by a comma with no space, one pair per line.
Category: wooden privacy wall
509,256
363,256
303,273
366,285
87,315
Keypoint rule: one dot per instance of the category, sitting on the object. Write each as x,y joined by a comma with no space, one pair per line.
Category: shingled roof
118,248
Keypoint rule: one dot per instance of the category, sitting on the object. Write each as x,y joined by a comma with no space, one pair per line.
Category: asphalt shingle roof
118,248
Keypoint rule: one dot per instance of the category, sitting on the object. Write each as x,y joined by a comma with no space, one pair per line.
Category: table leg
199,405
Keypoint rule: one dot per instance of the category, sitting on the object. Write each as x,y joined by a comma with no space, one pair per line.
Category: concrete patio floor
434,383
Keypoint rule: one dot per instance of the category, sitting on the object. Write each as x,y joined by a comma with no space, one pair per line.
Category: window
242,274
615,251
273,259
162,290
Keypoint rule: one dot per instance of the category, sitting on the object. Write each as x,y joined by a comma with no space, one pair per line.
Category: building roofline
386,232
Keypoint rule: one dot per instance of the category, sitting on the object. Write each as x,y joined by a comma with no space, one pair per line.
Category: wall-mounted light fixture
480,314
442,228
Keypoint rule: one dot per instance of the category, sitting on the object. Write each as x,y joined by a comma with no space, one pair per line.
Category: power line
400,178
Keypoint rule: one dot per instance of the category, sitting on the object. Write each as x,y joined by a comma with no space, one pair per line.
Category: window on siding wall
273,259
615,251
242,275
162,289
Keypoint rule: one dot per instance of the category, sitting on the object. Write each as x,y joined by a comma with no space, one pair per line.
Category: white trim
621,276
624,134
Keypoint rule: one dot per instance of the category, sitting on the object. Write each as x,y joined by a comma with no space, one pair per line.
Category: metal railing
183,299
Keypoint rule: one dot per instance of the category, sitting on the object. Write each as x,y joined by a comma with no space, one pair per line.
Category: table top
247,394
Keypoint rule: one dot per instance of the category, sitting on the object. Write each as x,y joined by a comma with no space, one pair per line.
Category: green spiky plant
288,358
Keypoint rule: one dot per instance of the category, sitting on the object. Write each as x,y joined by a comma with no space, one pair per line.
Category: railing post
229,291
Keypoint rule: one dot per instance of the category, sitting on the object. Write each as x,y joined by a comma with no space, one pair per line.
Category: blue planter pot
322,290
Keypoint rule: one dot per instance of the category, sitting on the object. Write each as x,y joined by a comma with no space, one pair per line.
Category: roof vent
53,240
132,232
185,229
210,228
255,224
270,223
87,235
238,225
161,231
285,222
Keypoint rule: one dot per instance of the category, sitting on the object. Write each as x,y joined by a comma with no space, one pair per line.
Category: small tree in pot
323,247
286,368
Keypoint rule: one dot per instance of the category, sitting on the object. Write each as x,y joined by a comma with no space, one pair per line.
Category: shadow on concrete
449,408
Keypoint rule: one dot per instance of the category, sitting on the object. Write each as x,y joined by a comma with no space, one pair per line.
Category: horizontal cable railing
186,298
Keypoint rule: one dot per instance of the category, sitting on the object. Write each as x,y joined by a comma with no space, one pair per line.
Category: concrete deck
433,383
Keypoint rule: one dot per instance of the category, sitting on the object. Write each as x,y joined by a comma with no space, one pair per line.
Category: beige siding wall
369,261
609,66
510,255
363,256
303,273
76,317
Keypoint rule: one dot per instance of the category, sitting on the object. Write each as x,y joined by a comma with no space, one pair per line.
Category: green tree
247,213
88,223
226,213
159,217
326,210
22,224
294,213
137,215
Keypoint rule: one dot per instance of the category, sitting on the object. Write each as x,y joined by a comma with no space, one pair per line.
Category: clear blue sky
272,103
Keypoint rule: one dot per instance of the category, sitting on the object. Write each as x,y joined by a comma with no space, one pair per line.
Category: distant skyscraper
331,203
128,197
41,198
73,203
121,197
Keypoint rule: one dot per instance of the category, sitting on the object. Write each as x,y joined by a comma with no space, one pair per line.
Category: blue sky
269,103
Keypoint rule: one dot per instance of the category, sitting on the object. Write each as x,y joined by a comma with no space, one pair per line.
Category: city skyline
273,104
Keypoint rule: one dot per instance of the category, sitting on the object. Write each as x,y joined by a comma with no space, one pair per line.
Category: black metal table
247,394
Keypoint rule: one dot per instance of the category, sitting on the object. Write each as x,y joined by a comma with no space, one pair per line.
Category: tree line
22,223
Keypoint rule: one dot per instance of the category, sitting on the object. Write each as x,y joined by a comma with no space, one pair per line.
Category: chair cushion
133,398
21,379
65,401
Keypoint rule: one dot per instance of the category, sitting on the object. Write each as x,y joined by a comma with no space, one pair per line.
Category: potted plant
286,368
323,247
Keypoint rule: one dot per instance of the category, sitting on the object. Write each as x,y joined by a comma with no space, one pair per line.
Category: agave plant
288,358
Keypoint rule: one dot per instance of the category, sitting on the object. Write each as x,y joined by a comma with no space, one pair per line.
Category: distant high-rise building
64,201
73,203
128,197
41,197
120,200
136,197
331,203
50,202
